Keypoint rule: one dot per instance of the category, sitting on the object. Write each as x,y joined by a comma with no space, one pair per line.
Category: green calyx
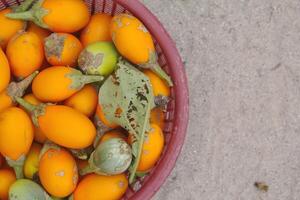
35,14
47,146
17,89
17,165
154,66
36,111
79,80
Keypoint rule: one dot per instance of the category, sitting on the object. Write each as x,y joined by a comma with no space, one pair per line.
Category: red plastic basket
177,113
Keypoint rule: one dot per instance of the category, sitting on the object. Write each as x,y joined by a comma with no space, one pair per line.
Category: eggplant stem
162,74
79,80
17,165
27,15
17,89
19,172
86,79
28,106
24,84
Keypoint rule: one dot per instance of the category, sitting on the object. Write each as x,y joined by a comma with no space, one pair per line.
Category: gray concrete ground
243,64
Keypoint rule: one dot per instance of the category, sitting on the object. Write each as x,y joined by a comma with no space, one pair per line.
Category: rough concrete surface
243,64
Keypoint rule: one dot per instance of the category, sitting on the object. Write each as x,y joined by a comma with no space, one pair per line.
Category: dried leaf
261,186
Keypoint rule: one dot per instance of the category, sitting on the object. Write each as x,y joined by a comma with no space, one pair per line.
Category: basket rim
177,72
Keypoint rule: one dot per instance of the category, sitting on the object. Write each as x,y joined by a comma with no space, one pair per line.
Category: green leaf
126,98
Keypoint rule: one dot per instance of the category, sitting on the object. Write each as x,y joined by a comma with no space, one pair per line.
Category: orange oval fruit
131,38
66,16
16,133
67,127
97,30
85,100
58,172
8,27
159,86
98,187
4,71
17,51
152,148
62,49
58,83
